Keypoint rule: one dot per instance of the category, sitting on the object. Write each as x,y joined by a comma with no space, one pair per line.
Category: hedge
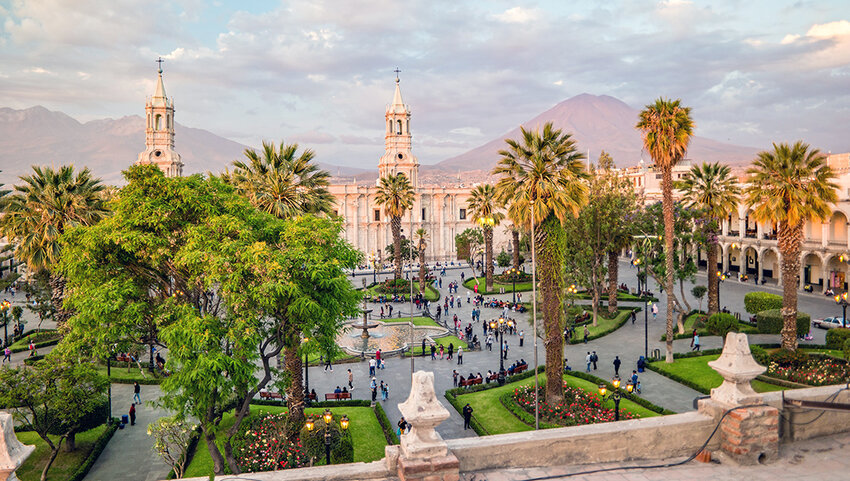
609,331
98,448
359,403
33,359
770,322
755,302
386,426
721,323
22,344
835,337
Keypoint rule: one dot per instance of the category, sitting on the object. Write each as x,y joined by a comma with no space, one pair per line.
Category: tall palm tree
282,182
667,129
396,195
40,210
285,183
788,186
546,169
712,189
515,245
421,244
483,207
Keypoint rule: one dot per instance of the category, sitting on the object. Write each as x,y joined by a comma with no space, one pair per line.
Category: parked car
828,322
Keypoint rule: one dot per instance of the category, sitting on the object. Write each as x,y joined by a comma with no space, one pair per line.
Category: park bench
494,376
123,358
270,395
337,396
520,368
311,396
471,382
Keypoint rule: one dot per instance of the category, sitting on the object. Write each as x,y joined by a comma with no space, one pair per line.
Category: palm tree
282,182
483,207
422,243
667,129
712,189
40,210
544,169
788,186
515,245
285,183
396,195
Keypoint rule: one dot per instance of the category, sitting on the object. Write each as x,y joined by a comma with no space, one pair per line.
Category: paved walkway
129,455
822,458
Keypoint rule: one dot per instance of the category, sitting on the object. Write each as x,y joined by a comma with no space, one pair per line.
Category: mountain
107,146
597,123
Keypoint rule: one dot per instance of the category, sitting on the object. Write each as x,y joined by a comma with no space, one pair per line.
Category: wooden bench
471,382
123,358
311,396
518,369
270,395
337,396
494,376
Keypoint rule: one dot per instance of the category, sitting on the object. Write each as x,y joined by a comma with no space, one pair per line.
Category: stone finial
424,412
12,452
738,368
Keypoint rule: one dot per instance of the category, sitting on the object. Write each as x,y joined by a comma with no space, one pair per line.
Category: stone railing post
750,433
12,452
423,453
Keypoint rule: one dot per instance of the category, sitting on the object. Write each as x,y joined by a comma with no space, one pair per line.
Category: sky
320,72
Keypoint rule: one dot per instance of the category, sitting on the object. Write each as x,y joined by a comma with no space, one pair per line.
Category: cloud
790,38
518,15
468,131
831,29
313,137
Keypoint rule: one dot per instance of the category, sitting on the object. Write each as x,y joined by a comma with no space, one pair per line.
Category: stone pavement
129,455
822,458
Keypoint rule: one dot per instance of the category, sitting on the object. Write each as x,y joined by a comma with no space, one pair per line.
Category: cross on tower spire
397,71
159,61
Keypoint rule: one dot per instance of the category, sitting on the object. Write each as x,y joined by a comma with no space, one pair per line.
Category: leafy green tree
787,186
171,441
667,129
483,207
40,209
543,171
396,195
408,253
712,189
468,244
699,292
54,396
503,259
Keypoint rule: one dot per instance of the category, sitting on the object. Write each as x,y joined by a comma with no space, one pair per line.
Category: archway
750,262
770,268
812,270
838,228
750,225
836,272
734,261
813,231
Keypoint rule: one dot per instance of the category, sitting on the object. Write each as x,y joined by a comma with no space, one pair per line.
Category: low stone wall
649,438
797,424
337,472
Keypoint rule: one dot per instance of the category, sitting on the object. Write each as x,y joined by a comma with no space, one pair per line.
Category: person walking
696,342
594,359
693,336
586,334
7,354
133,414
442,351
505,348
589,360
433,352
328,365
374,386
634,317
372,365
423,347
459,355
617,363
137,393
451,351
350,380
467,416
654,311
454,377
521,334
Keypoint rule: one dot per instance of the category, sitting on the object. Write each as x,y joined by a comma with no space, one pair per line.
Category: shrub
835,337
760,355
847,349
755,302
786,358
700,321
721,324
770,322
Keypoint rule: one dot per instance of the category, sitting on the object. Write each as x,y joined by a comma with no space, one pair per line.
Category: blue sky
320,72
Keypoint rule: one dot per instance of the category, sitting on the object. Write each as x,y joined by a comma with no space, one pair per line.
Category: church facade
159,133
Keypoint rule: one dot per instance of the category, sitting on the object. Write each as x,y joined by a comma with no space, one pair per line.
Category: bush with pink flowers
578,407
262,445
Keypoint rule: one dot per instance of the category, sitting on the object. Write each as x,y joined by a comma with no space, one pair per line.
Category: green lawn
369,440
689,328
508,287
697,371
431,294
496,419
442,341
604,326
65,464
417,321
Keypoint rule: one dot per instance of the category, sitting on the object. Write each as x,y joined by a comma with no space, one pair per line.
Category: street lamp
572,290
721,277
5,305
328,417
842,301
615,394
306,370
513,272
643,247
500,337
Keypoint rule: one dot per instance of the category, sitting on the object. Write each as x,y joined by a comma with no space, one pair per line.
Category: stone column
742,228
824,240
760,260
12,452
749,429
423,455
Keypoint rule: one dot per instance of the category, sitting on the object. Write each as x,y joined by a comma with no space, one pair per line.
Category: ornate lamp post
572,291
841,300
500,337
644,247
615,395
513,272
722,277
5,305
328,417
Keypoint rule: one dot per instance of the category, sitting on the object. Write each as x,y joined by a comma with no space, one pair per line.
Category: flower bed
264,446
816,371
579,407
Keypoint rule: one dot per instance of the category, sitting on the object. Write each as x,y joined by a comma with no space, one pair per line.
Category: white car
828,322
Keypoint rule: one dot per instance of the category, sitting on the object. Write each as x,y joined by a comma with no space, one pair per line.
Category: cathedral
440,209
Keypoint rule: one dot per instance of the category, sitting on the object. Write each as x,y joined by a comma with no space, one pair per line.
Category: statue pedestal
12,452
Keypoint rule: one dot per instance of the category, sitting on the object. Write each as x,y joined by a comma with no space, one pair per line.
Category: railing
771,236
735,233
751,234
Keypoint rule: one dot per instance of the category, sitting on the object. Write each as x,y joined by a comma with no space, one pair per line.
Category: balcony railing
770,236
734,233
751,234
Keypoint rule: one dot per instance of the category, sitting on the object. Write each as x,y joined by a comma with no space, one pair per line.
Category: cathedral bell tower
159,132
398,156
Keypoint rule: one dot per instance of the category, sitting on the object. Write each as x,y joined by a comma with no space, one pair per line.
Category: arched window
158,123
398,127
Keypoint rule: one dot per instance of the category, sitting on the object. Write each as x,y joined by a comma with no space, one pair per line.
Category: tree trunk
680,323
613,274
71,442
421,269
488,254
53,453
218,459
713,280
57,297
515,243
294,391
667,205
790,239
550,266
395,226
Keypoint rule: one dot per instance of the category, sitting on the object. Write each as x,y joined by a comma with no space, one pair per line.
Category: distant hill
597,123
107,146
